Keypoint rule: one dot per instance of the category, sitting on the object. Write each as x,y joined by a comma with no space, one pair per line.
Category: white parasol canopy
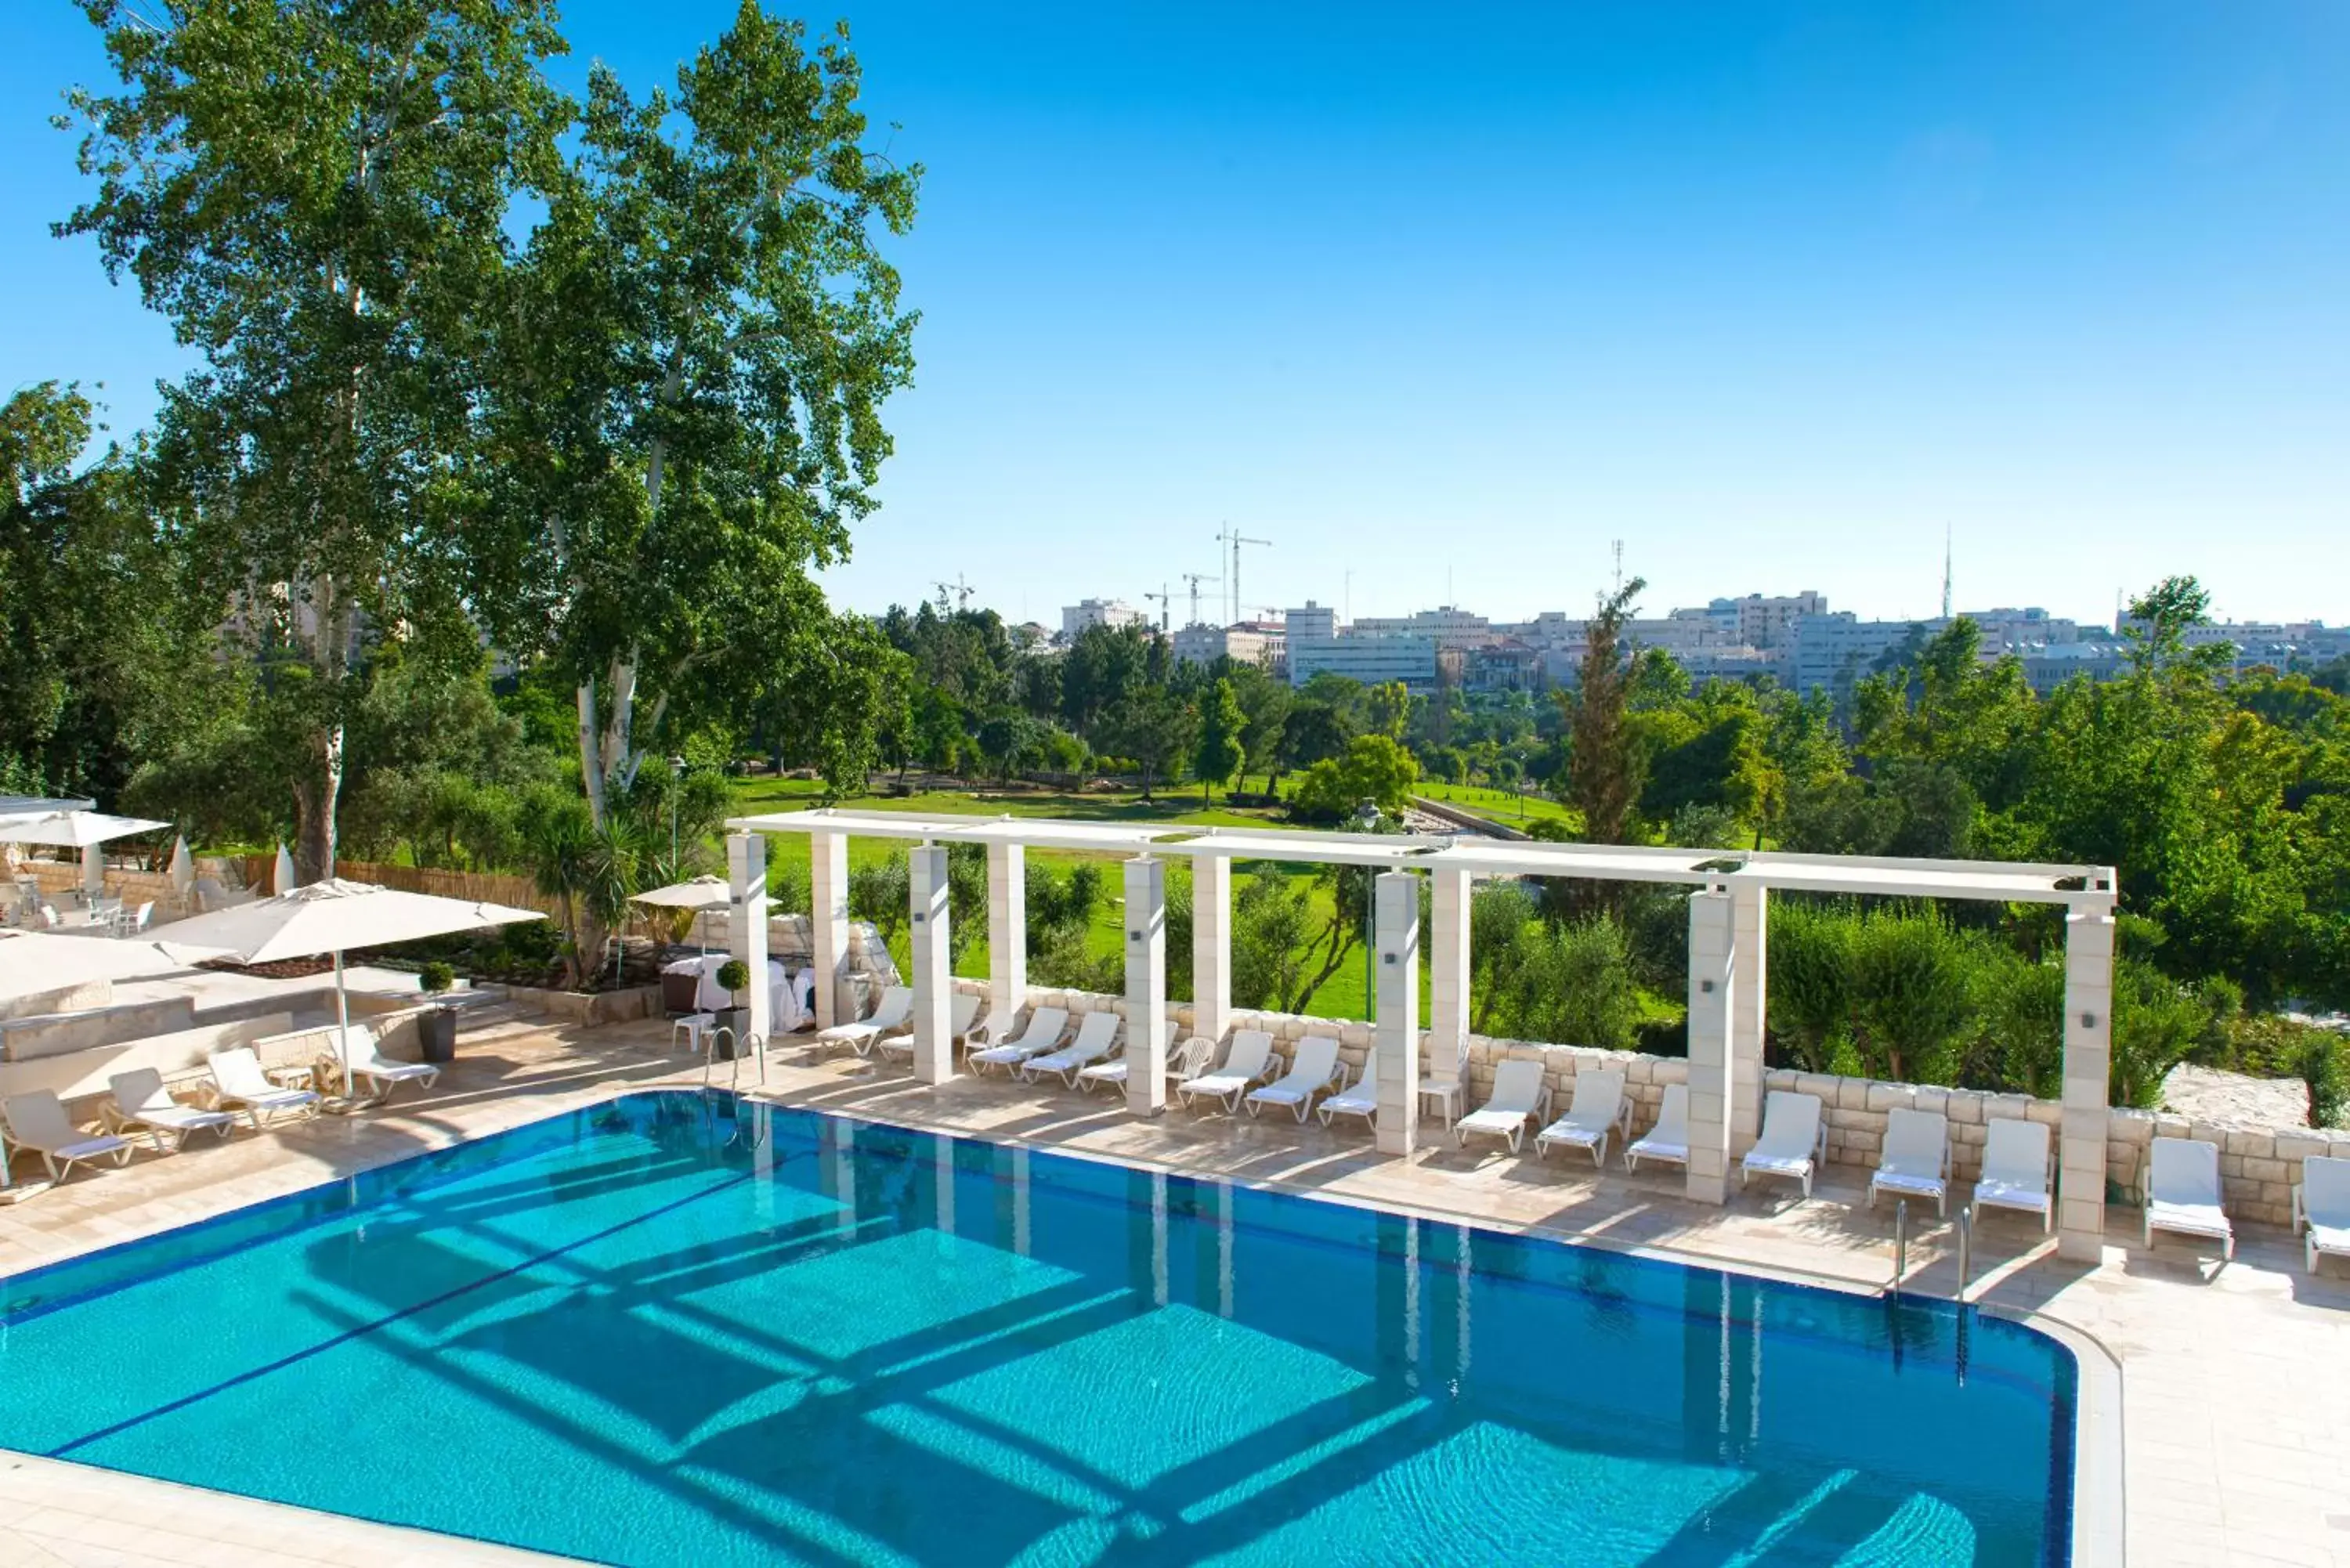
73,829
35,961
332,916
693,893
281,875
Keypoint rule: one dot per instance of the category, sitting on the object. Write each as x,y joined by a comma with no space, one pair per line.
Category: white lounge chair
1313,1069
1360,1098
2321,1206
1184,1059
1249,1056
1668,1141
37,1121
1794,1141
1046,1025
141,1101
1519,1096
962,1015
2015,1169
363,1061
1917,1159
1098,1036
1599,1110
888,1015
239,1083
2182,1193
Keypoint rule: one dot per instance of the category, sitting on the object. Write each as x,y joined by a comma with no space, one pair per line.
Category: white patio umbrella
184,868
700,894
281,875
333,916
36,961
82,830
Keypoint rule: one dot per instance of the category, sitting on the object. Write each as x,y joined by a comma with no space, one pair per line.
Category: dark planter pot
738,1020
436,1035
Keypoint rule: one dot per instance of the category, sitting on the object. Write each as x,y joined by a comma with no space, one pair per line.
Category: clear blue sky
1458,295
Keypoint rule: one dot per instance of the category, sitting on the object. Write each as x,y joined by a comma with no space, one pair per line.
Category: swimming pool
650,1333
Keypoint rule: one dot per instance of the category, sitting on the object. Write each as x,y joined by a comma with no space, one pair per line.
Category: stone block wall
2258,1165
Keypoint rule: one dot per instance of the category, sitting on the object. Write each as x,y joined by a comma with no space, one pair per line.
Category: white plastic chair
2182,1193
1519,1097
37,1121
361,1059
1598,1111
1667,1142
1917,1159
1185,1058
2015,1169
1311,1070
1794,1142
890,1016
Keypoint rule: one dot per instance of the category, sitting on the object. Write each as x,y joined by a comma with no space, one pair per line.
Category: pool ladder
754,1044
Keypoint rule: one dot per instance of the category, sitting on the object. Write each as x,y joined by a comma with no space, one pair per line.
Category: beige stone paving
2236,1381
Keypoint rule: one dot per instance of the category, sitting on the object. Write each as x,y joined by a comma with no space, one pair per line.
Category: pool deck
2236,1381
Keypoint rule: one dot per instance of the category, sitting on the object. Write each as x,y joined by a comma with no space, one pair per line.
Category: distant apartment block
1767,621
1262,643
1075,617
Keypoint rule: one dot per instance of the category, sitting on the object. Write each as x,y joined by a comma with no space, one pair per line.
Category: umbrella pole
342,1006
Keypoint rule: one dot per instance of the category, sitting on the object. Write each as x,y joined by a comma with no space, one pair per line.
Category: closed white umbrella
281,875
333,916
184,868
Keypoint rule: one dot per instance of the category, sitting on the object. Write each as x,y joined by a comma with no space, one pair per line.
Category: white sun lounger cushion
1044,1031
2015,1169
1097,1037
1244,1063
1791,1142
1518,1097
1596,1111
2183,1192
2321,1201
1360,1098
1311,1071
1668,1141
1917,1159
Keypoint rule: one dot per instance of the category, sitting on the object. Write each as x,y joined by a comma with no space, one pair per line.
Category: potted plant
734,978
436,1031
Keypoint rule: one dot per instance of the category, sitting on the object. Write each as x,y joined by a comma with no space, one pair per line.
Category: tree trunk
313,809
591,762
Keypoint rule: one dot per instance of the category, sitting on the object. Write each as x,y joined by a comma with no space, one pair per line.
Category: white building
1244,642
1075,617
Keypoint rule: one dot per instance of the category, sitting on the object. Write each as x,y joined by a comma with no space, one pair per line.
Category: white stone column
1713,944
746,923
2088,1070
925,880
1211,945
1007,930
1146,986
1750,912
828,927
1395,1036
1448,974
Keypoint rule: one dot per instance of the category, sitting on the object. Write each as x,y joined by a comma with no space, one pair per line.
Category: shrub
1568,983
734,976
436,977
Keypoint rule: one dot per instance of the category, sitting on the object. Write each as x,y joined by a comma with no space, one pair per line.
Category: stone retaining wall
2258,1165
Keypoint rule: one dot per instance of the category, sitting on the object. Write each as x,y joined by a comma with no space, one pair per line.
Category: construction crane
1162,597
1235,539
957,591
1195,579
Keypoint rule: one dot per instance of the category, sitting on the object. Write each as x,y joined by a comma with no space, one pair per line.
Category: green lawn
1504,807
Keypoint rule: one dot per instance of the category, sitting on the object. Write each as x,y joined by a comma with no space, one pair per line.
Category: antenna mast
1616,546
1945,570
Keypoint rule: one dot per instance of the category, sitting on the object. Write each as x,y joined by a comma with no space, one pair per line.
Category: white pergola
1728,904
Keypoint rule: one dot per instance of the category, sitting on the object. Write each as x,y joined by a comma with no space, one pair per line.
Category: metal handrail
1900,1243
1966,1250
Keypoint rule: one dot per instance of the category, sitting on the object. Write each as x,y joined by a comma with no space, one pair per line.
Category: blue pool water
644,1334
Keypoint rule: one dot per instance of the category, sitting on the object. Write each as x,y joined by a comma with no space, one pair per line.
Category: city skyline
1779,296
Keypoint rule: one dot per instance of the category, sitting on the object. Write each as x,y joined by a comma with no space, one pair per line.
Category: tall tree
316,196
690,385
1219,754
1604,771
